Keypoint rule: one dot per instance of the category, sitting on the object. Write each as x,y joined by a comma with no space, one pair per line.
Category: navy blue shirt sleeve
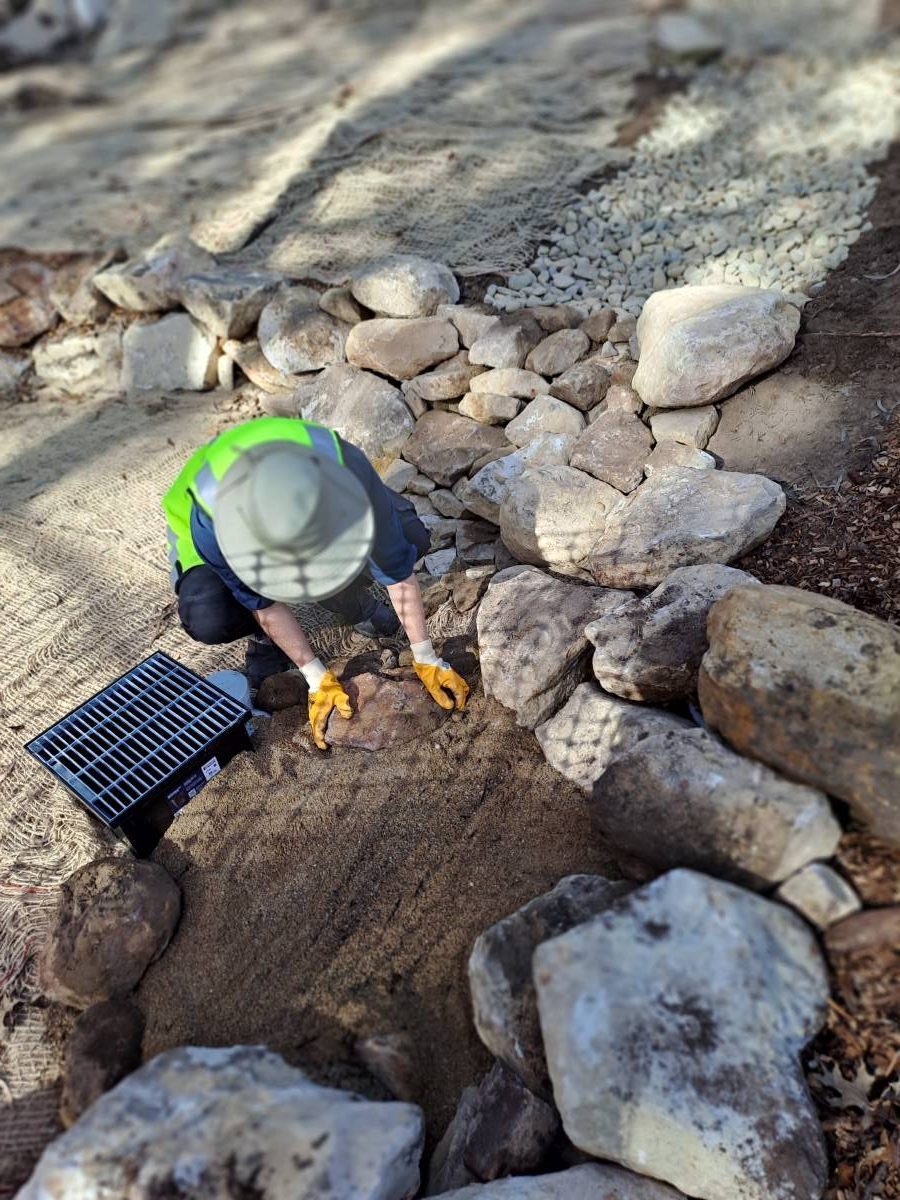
393,554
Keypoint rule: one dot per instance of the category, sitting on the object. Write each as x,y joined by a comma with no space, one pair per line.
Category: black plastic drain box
140,749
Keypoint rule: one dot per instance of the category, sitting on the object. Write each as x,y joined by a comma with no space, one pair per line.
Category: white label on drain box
210,768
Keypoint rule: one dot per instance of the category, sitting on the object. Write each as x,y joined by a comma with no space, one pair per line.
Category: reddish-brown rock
386,712
23,319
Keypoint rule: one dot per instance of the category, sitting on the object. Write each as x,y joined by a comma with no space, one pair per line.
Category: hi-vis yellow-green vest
199,477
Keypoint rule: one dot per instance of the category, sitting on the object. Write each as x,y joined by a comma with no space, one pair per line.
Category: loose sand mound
333,896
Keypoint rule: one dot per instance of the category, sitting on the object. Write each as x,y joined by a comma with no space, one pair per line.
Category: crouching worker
275,512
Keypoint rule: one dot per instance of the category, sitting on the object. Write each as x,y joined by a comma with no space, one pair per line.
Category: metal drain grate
143,738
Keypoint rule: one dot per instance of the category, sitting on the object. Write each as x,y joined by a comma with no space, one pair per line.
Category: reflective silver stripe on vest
205,486
173,556
322,440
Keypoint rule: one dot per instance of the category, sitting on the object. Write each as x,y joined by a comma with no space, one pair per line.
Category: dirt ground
329,897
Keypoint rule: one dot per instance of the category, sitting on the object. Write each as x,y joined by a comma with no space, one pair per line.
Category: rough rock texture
552,516
363,408
103,1047
445,445
685,800
448,381
401,349
685,1073
296,335
589,1182
690,426
237,1122
622,398
471,320
614,449
674,454
390,1058
339,302
650,649
552,317
812,687
865,931
447,1169
72,292
13,370
475,541
592,729
24,318
151,283
386,712
114,918
545,414
404,285
488,408
80,363
558,352
583,385
506,342
286,689
172,354
511,1129
699,344
680,518
484,492
503,996
229,301
531,640
251,360
511,381
398,475
820,894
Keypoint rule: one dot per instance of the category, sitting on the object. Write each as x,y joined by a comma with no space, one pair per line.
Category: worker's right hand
328,696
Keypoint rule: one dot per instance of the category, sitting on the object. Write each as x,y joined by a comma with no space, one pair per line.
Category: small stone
169,355
622,398
434,593
440,562
865,932
442,531
467,592
447,1170
401,349
489,408
398,474
598,325
447,504
674,454
614,449
511,381
445,445
689,426
511,1130
404,285
544,414
681,517
475,541
553,317
295,335
471,320
820,895
386,712
72,292
13,370
420,485
584,385
390,1057
114,918
228,302
339,303
448,381
23,319
588,1181
681,35
151,282
362,407
225,373
286,689
423,506
558,352
103,1047
251,360
506,343
81,363
622,331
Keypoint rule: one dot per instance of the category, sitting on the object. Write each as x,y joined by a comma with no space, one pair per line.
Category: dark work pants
210,613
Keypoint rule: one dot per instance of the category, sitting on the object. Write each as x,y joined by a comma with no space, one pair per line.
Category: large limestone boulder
401,349
296,335
152,282
553,516
404,285
614,449
545,414
672,1025
592,729
503,996
592,1181
699,344
650,649
811,687
531,640
235,1121
681,518
363,408
682,799
485,491
444,445
115,917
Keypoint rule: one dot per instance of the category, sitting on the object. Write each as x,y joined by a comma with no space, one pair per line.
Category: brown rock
287,689
24,319
73,293
386,712
865,932
558,352
614,449
445,445
467,591
390,1057
597,327
340,303
115,917
811,687
448,381
512,1130
584,385
258,369
553,317
401,349
104,1047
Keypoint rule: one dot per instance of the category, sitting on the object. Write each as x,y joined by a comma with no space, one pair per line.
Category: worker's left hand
328,696
439,679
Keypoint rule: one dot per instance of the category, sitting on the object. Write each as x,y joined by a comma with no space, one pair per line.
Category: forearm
406,598
279,623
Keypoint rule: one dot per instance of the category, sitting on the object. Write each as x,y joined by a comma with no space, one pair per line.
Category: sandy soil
333,896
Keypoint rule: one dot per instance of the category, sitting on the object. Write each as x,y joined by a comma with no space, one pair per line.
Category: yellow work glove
325,694
439,677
